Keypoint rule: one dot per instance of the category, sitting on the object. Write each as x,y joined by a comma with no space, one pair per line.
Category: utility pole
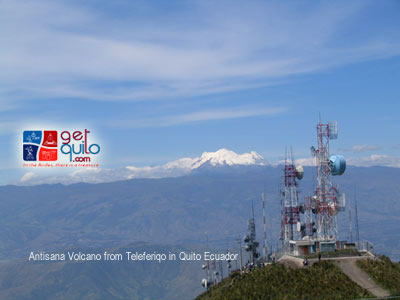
208,263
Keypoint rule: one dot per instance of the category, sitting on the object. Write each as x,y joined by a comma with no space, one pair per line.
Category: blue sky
161,80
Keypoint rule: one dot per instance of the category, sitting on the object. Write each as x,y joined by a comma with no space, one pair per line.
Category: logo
66,148
40,145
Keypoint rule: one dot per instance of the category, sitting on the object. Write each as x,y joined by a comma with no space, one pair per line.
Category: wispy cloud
361,148
375,160
28,177
205,115
58,49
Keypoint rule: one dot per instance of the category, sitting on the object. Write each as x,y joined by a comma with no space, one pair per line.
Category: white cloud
29,176
58,49
206,115
361,148
305,162
375,160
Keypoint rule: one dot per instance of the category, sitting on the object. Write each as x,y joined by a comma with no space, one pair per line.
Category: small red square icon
47,154
50,138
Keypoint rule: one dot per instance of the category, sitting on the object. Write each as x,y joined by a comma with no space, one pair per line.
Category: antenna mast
350,223
265,249
357,228
327,196
239,240
250,239
290,210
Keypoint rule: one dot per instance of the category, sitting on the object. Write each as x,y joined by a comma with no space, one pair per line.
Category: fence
365,246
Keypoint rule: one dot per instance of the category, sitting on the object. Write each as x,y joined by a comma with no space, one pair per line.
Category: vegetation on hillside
323,280
385,272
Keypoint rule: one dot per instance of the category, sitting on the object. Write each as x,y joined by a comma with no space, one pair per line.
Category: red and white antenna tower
326,197
289,200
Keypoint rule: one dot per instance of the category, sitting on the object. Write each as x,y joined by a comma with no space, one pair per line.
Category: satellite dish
206,283
299,172
337,164
313,151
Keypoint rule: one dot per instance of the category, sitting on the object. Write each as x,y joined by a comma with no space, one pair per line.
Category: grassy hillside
321,281
385,272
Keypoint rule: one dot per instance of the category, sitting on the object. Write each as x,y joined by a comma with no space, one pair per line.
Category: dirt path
360,277
290,261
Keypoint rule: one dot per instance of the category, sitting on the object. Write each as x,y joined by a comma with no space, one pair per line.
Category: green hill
323,280
385,272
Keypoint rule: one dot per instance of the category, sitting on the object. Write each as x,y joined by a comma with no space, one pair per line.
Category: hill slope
321,281
384,272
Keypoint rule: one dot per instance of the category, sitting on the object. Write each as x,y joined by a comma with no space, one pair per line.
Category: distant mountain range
175,210
115,280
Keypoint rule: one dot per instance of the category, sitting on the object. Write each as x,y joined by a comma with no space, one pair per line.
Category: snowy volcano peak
227,157
221,158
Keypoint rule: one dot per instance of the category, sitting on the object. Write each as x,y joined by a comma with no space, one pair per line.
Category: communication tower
207,282
290,209
326,197
250,240
265,247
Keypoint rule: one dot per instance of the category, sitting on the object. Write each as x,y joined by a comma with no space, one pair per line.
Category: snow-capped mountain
222,157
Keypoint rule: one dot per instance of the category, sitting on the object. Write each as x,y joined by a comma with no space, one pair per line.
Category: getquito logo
66,148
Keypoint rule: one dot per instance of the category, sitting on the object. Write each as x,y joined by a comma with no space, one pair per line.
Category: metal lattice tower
326,195
289,203
310,209
250,239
